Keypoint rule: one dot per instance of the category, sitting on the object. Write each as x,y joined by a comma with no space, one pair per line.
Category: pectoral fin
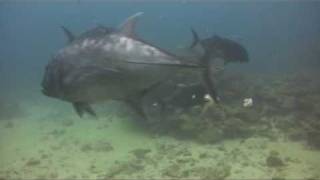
82,107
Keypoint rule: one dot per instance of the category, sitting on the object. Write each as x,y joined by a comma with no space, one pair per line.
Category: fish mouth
45,91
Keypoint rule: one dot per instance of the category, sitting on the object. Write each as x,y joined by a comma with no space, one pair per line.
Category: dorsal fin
69,34
195,39
128,27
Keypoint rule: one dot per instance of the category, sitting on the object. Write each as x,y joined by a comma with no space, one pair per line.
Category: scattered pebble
44,156
203,155
67,123
9,125
100,146
33,162
54,175
140,153
57,132
273,160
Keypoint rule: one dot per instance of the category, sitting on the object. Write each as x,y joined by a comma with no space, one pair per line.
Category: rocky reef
286,103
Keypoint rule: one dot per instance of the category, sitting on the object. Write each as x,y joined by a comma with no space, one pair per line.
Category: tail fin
195,40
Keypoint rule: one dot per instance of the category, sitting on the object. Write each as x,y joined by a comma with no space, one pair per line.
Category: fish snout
47,83
51,85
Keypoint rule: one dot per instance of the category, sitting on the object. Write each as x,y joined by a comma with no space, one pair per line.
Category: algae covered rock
140,153
274,160
188,124
236,128
213,135
172,171
33,162
285,106
221,171
313,139
215,113
99,146
122,169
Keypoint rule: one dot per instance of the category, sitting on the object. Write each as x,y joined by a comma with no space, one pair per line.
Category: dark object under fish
216,49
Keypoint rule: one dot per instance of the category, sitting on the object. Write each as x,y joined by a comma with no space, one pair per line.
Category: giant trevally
216,46
108,64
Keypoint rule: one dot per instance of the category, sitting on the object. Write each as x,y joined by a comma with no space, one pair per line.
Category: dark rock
121,168
86,147
67,123
274,161
172,171
313,139
221,172
222,148
33,162
44,156
297,136
184,152
100,146
140,153
203,155
9,125
278,178
53,175
9,109
185,173
136,167
103,146
186,161
213,135
57,132
236,128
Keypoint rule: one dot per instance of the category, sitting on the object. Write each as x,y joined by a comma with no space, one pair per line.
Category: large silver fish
108,64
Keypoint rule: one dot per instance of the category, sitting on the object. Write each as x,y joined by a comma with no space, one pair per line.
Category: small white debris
181,85
107,47
247,102
193,96
207,97
155,104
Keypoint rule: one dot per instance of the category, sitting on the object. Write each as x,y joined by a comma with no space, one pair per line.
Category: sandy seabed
49,141
53,143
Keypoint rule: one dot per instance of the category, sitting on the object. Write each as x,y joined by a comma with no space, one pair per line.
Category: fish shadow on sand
9,109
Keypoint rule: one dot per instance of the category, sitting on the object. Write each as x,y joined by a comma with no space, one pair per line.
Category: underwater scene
160,89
